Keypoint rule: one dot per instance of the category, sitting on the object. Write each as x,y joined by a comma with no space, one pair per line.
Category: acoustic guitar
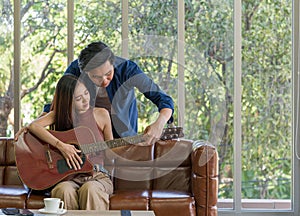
41,166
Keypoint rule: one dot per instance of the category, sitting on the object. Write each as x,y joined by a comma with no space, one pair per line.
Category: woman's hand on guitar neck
71,155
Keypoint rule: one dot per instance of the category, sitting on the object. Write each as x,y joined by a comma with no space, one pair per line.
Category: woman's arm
38,128
43,121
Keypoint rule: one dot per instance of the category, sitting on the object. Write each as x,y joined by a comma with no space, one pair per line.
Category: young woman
71,108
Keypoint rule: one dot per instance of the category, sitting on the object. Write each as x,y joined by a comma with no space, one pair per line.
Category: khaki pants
85,192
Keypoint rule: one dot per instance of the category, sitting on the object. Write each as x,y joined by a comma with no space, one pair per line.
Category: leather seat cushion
179,203
154,200
13,194
130,200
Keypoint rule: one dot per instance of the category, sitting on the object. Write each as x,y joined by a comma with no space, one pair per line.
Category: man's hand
154,131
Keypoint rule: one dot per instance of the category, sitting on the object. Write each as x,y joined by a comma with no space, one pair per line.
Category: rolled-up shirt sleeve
137,78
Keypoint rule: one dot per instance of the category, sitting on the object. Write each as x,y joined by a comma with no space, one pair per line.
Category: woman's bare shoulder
100,110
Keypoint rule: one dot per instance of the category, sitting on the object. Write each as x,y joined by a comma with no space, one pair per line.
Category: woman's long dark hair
62,103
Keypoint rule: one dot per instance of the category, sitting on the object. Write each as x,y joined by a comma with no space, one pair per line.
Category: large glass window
148,33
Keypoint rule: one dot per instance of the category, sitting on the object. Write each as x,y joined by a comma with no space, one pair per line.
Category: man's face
102,75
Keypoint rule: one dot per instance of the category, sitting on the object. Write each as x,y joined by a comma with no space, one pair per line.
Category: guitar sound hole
79,153
63,167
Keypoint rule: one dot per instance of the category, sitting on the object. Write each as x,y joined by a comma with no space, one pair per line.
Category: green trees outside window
208,81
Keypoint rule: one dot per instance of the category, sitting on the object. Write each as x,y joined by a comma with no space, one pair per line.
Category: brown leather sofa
174,177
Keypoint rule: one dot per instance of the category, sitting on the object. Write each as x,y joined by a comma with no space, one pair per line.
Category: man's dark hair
94,55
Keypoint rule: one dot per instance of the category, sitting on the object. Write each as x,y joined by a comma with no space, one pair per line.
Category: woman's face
81,98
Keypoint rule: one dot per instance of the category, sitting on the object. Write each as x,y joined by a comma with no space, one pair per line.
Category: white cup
53,204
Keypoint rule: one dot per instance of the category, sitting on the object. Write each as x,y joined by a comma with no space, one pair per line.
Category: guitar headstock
172,133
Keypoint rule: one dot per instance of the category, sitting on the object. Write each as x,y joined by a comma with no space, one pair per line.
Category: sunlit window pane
43,54
267,101
152,44
6,69
97,20
209,82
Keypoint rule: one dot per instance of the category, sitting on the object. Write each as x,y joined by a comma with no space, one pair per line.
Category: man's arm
164,103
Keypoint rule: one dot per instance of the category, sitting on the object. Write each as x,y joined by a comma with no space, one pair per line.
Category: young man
111,81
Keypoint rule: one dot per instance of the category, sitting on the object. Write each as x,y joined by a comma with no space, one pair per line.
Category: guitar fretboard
102,145
168,133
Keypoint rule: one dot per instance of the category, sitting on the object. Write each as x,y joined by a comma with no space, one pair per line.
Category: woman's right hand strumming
71,155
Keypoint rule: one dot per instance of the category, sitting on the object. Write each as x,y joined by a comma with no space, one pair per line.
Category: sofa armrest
205,177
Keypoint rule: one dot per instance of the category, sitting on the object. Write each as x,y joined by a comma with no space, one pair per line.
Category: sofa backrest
164,166
8,169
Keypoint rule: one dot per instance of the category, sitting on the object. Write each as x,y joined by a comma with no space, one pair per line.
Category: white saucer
59,212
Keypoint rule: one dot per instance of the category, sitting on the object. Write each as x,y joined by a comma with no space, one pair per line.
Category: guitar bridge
49,159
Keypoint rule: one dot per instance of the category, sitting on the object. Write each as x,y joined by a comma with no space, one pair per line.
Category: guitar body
41,166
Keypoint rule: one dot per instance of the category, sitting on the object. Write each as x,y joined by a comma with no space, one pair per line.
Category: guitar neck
102,145
168,133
